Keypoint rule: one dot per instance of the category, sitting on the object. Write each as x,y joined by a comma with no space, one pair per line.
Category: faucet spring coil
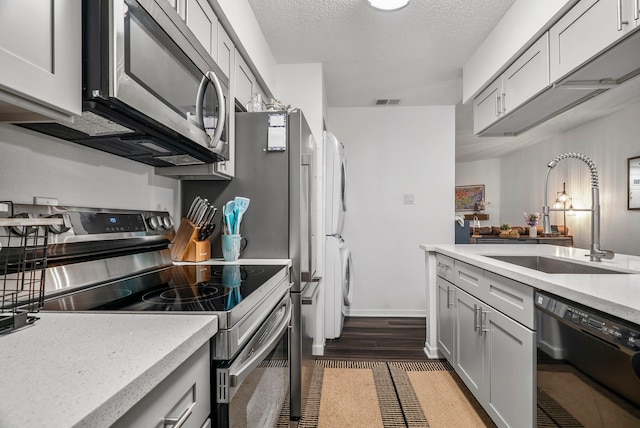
584,158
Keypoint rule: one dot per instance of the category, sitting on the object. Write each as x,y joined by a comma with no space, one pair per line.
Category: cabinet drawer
444,267
186,392
510,297
470,279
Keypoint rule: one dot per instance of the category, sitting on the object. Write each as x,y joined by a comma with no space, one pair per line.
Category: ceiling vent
384,102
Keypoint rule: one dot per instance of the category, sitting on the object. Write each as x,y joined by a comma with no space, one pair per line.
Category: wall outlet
44,200
407,198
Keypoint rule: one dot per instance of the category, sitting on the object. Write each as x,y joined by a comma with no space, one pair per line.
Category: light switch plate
407,198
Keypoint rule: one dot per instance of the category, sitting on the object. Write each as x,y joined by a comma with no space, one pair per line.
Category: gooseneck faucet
595,254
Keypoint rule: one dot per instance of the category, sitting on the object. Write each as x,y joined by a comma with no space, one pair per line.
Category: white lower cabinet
495,357
446,317
469,358
486,330
511,371
182,399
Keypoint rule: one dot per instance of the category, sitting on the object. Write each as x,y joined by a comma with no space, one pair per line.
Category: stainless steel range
119,261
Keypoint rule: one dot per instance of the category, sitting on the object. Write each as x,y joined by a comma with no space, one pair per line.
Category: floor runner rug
378,394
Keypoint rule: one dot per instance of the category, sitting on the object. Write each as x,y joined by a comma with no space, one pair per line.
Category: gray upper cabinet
587,29
40,53
243,82
225,52
202,21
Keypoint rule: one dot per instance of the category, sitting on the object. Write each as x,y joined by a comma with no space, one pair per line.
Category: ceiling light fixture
388,5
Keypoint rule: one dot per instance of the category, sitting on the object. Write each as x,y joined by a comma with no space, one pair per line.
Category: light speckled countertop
617,294
88,369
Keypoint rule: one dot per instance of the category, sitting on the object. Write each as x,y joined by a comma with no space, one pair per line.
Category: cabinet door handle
179,421
477,310
483,322
620,21
504,103
636,10
449,291
498,105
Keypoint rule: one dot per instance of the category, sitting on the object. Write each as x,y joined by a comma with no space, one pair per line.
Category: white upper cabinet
590,48
526,77
202,21
586,30
40,57
487,107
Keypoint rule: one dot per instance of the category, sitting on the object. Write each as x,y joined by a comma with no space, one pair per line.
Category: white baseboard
317,350
432,353
413,313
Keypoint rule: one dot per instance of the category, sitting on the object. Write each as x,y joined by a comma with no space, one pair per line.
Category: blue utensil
242,204
229,215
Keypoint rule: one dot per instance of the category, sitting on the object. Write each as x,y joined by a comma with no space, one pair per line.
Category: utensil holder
186,247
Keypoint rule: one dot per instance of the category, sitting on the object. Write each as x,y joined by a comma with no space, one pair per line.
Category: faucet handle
597,255
608,254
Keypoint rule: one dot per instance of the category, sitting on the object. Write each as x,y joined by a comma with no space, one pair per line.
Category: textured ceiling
415,54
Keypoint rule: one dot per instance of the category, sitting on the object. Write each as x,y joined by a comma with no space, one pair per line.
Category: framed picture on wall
468,196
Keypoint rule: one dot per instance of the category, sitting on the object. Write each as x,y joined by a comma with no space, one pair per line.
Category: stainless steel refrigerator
274,167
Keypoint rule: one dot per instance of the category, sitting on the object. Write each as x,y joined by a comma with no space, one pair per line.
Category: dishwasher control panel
617,332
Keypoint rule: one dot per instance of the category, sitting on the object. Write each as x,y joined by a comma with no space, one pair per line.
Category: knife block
186,247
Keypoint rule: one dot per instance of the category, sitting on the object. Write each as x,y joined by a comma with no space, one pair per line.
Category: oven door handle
237,375
210,76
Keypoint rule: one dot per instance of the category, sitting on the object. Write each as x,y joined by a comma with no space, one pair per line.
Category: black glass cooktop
176,288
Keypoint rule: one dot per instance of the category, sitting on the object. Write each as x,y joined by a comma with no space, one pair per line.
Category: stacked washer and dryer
338,275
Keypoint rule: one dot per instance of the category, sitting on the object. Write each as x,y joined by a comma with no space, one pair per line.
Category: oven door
158,70
251,389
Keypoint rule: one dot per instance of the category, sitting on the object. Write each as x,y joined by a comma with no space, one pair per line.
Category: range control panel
93,224
607,327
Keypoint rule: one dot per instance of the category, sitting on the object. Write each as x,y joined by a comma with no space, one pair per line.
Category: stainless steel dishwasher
588,363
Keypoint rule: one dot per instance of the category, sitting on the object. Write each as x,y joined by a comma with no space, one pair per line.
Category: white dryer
338,283
335,184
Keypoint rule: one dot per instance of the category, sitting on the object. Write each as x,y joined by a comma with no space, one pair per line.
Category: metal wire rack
23,260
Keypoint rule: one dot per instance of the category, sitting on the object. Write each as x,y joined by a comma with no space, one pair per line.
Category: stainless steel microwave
151,92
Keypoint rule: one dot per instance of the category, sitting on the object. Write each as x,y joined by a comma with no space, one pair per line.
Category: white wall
485,172
32,164
393,151
608,141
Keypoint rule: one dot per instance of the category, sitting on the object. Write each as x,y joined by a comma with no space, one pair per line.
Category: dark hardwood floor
379,339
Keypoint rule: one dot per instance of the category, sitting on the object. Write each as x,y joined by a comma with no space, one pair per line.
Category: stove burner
182,295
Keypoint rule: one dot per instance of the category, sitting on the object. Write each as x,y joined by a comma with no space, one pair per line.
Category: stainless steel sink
558,266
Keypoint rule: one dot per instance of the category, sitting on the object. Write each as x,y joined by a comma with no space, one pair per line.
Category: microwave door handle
210,76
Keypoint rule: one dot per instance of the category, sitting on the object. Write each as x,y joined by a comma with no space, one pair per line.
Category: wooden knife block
186,247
